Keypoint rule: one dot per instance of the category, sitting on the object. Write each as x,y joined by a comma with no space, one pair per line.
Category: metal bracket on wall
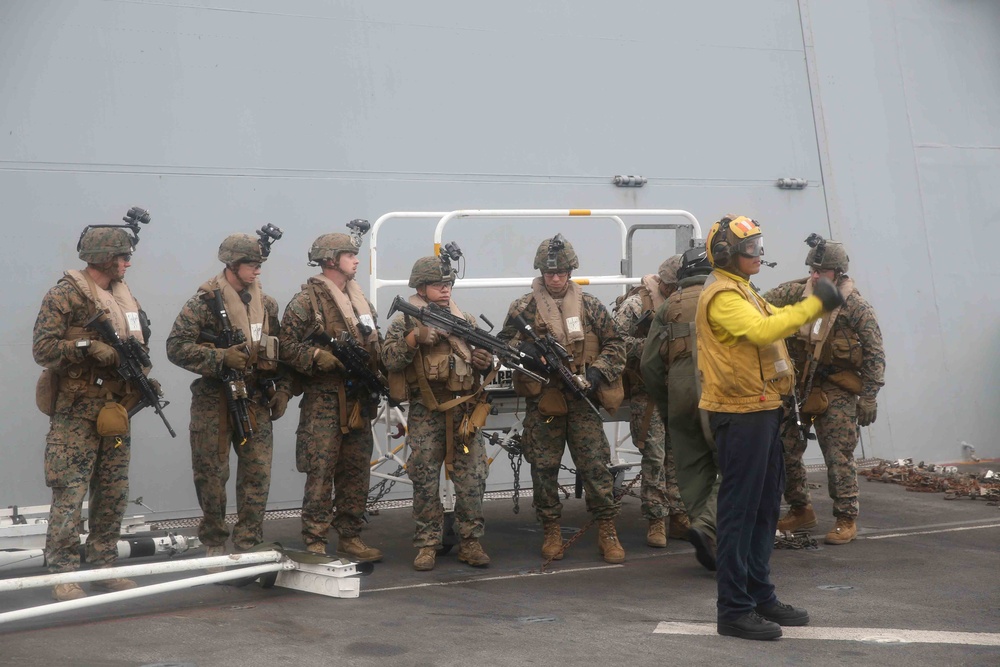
792,183
629,181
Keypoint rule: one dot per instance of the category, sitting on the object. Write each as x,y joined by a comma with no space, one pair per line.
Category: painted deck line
873,635
476,580
926,532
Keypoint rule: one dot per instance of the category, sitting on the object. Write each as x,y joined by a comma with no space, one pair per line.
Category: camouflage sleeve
61,307
396,354
296,324
651,365
785,294
282,381
611,360
625,320
183,348
523,304
863,321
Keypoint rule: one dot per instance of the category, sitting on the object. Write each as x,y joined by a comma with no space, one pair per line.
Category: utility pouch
356,421
399,389
46,390
844,352
473,421
816,403
610,395
552,403
525,387
267,353
112,420
849,381
459,374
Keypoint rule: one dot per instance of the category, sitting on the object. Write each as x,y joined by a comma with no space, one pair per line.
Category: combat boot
425,559
799,517
552,544
65,592
316,548
113,584
355,549
607,542
471,552
679,525
842,533
656,536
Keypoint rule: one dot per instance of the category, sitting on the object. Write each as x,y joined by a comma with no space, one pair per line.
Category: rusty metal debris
936,478
800,540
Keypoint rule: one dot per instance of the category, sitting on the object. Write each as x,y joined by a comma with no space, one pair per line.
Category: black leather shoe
750,626
704,548
783,614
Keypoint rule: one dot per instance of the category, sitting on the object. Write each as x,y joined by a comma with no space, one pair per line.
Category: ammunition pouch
112,420
843,352
610,395
552,402
46,390
525,387
816,402
267,353
849,381
399,388
356,421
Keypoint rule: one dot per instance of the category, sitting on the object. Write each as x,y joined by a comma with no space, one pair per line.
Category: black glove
594,378
828,294
531,356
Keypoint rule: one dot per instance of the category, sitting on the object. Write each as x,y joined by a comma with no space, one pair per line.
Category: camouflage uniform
211,433
426,438
333,461
836,428
545,438
660,495
77,459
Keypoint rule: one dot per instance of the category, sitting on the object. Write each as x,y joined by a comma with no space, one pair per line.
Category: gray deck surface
921,563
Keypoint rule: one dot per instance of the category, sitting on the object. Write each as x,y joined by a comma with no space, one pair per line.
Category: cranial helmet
668,270
238,248
102,244
330,246
733,235
695,262
431,270
556,254
827,254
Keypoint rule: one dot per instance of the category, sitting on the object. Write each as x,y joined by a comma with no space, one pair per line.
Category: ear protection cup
722,251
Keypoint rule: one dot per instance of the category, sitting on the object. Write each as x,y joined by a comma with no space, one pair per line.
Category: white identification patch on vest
780,366
817,326
573,324
132,318
367,320
255,331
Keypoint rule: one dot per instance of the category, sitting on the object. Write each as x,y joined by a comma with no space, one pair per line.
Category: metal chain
380,490
786,540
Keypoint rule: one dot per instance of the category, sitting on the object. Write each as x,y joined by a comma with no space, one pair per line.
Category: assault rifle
132,360
237,400
357,363
435,316
554,358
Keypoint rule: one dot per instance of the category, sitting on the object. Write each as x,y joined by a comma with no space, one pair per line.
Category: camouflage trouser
836,430
426,439
77,459
544,441
332,461
210,462
659,494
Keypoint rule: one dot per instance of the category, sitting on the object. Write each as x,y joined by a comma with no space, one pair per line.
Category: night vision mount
133,217
268,234
450,253
359,227
556,245
819,243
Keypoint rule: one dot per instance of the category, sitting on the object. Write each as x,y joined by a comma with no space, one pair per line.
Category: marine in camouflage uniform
332,449
554,417
212,430
659,494
434,371
83,370
849,371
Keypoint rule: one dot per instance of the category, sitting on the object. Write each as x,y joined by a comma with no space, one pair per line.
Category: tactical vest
682,306
740,377
632,376
328,318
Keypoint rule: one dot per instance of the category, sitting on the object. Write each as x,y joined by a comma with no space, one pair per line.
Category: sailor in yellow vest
746,380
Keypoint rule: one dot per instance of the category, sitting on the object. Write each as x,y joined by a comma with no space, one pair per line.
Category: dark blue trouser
753,479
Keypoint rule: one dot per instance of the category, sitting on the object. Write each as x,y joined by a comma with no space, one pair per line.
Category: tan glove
278,404
867,410
427,335
326,362
156,387
481,359
103,354
236,357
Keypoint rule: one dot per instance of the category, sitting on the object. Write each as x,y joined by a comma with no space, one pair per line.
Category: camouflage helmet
99,245
828,255
668,270
238,248
556,254
430,270
330,246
